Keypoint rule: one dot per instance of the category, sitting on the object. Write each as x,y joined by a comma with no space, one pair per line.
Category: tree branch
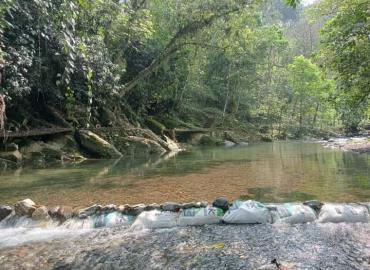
189,29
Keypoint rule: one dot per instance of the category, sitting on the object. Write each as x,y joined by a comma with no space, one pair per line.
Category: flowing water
268,172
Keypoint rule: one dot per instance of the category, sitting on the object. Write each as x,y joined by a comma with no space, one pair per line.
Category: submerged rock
96,145
41,213
25,207
221,202
5,211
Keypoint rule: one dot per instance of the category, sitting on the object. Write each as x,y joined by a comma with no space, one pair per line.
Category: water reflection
281,171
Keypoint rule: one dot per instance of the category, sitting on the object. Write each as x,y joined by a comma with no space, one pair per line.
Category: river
269,172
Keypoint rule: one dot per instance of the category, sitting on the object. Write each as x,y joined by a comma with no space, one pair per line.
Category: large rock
5,211
61,213
171,206
221,202
89,211
14,156
148,145
96,145
134,210
39,151
41,214
25,207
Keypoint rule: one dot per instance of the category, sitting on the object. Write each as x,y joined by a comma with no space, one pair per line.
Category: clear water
280,171
286,171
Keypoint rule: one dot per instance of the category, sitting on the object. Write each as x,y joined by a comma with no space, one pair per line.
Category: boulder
135,210
11,147
14,156
5,211
96,145
25,207
144,145
41,151
89,211
171,206
314,204
61,213
153,206
109,208
41,213
221,202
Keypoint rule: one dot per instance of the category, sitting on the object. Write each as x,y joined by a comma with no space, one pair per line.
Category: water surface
279,171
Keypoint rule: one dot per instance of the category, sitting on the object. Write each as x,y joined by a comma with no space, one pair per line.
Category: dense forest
279,69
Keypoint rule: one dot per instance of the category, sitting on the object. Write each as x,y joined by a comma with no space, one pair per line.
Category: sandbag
155,219
349,213
200,216
111,219
77,224
247,212
291,213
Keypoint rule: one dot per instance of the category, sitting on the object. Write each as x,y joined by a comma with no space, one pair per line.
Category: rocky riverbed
304,246
353,144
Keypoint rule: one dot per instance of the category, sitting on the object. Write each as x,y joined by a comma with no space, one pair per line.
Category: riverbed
268,172
305,246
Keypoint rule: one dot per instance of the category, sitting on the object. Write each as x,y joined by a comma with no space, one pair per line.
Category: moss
157,127
96,145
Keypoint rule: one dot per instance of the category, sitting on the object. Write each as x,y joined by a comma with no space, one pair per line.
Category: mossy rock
14,156
97,145
207,140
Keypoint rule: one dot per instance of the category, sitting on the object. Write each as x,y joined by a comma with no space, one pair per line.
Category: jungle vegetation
280,67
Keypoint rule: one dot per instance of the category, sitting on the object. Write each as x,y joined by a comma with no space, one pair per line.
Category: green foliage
202,63
347,47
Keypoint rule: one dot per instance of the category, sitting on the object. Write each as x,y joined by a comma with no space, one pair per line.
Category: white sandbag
291,213
76,223
200,216
247,212
155,219
111,220
350,213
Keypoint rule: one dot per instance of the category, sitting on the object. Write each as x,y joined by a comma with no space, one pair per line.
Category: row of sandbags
252,212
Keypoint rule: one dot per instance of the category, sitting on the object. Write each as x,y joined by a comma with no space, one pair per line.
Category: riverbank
352,144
